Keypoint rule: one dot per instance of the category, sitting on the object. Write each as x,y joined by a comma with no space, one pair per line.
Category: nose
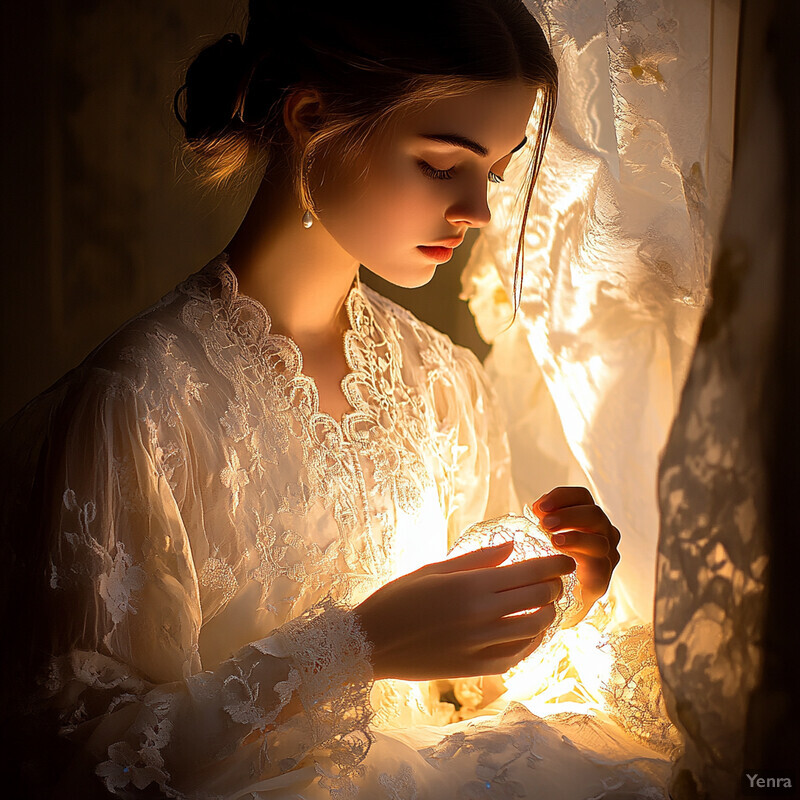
470,209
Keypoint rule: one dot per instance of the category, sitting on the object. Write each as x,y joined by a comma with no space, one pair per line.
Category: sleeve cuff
332,676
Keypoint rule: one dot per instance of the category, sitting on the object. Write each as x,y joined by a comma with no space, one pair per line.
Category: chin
406,278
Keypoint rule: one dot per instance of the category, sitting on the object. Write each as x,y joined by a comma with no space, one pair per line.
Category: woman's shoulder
149,356
161,343
151,347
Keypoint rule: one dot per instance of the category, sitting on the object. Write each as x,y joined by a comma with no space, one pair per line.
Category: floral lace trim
332,677
142,767
501,750
633,691
401,786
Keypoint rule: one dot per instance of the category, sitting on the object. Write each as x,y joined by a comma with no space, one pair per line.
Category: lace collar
386,418
251,323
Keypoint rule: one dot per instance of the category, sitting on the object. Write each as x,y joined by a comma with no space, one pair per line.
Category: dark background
99,218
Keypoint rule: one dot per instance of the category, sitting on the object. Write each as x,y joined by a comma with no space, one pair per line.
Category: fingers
534,644
477,559
524,598
497,659
583,529
530,571
564,497
588,544
524,627
589,518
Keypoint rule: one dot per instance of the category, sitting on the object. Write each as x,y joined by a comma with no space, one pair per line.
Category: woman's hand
583,531
450,619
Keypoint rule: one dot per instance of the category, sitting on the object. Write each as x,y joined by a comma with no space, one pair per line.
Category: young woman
240,504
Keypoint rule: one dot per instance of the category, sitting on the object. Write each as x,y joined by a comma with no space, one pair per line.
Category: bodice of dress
296,505
208,531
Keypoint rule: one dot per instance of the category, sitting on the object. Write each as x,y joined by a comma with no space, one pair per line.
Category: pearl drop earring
308,217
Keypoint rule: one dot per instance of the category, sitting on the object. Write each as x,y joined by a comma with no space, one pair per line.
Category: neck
300,275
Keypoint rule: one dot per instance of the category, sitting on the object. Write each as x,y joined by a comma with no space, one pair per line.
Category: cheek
399,211
393,209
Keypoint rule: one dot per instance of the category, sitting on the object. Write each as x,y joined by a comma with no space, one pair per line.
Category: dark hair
369,62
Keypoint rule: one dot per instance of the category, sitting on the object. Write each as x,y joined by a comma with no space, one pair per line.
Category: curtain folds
618,247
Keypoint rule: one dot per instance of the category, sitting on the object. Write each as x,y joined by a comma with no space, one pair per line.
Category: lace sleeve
126,675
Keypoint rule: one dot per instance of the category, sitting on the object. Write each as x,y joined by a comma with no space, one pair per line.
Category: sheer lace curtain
618,247
712,552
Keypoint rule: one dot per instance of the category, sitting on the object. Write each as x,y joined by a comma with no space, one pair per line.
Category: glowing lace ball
530,541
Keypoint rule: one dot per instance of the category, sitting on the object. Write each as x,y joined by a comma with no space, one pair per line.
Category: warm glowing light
571,670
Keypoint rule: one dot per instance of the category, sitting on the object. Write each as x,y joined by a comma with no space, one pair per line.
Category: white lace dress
204,530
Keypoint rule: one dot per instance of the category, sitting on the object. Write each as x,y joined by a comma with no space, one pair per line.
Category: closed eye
438,174
447,174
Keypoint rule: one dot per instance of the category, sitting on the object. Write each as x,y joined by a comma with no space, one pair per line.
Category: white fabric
618,249
206,532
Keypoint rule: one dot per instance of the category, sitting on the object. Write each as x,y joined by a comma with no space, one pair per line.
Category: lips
438,254
451,243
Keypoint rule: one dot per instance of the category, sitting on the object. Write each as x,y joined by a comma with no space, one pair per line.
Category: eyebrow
462,141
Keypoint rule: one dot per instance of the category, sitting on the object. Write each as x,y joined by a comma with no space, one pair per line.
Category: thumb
477,559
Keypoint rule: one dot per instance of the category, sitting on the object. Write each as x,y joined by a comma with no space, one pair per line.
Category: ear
302,111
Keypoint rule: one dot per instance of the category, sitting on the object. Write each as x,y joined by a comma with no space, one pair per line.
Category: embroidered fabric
506,755
131,649
619,250
633,690
203,532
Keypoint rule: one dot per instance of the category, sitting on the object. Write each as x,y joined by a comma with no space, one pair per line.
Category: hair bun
215,82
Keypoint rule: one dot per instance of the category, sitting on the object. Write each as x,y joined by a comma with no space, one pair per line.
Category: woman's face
410,192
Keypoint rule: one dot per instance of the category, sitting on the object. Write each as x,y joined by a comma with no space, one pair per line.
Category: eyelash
446,174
